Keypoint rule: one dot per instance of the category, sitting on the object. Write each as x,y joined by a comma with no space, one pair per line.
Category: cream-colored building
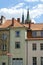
35,55
35,44
14,52
17,45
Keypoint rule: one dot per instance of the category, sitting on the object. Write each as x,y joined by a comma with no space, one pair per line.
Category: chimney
2,19
18,19
29,24
12,22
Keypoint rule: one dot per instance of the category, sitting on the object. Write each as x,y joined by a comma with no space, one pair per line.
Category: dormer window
37,33
41,33
33,33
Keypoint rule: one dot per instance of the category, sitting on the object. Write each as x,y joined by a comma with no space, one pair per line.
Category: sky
15,8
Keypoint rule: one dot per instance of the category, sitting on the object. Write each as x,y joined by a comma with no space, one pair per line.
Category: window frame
41,60
41,46
4,47
34,46
3,63
34,33
17,33
34,61
42,33
17,45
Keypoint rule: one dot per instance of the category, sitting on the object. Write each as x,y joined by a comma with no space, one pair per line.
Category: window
34,60
38,33
33,33
41,46
4,47
34,46
17,61
41,33
4,36
41,60
17,58
3,63
17,44
17,33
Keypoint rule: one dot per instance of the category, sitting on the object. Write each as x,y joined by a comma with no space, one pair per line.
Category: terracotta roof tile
17,24
36,26
9,22
26,25
6,24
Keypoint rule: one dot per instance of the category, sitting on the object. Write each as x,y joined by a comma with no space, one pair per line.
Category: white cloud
31,0
18,5
41,0
12,10
33,21
17,10
37,11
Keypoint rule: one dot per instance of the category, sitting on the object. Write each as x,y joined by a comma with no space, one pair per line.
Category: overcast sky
15,8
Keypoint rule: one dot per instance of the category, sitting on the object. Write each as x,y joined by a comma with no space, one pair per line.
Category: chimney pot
29,24
12,21
18,19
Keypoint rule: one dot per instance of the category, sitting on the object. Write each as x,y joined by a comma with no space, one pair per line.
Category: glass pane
34,33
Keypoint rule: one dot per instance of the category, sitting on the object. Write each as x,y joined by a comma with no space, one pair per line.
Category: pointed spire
23,17
28,16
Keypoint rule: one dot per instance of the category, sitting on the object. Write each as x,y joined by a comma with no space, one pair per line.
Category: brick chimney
18,19
29,24
2,19
12,22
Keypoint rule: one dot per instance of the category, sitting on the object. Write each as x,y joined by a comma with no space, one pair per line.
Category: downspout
26,52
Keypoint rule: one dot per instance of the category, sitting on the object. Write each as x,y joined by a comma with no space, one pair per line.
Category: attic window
41,33
33,33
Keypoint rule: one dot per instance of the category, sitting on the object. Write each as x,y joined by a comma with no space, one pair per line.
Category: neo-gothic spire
28,17
23,17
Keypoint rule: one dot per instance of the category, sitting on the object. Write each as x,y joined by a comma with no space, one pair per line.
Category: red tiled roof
36,26
9,22
6,24
17,24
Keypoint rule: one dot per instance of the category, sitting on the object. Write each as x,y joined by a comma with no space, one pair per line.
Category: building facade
21,43
4,46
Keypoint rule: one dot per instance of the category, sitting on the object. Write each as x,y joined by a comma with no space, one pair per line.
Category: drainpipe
26,52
